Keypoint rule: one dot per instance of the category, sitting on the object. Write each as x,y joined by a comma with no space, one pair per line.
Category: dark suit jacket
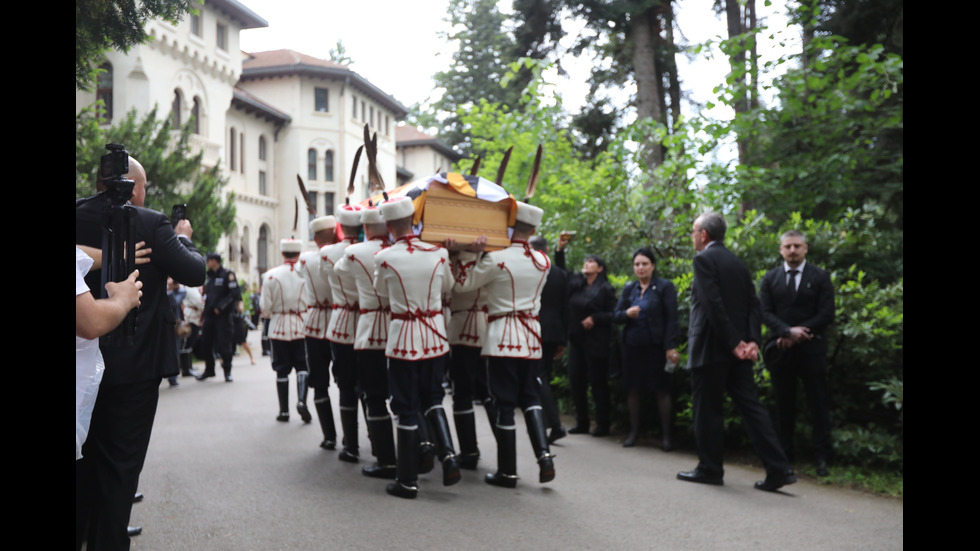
555,312
813,306
596,300
154,351
724,307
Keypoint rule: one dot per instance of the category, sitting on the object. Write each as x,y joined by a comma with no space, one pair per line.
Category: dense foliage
826,158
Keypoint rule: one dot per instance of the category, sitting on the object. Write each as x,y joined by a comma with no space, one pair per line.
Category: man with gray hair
723,343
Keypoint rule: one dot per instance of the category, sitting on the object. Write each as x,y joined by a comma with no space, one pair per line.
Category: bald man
113,454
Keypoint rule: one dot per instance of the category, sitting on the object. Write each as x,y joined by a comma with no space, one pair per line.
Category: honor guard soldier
318,297
221,298
357,266
284,301
342,328
513,279
467,368
411,278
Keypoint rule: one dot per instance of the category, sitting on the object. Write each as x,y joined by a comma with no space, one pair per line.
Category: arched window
104,91
261,148
175,110
311,164
196,114
328,166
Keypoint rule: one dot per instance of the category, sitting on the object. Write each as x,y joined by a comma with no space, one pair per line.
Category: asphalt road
222,474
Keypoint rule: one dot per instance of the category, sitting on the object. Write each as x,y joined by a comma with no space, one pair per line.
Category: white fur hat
371,215
291,246
397,208
350,215
529,214
323,223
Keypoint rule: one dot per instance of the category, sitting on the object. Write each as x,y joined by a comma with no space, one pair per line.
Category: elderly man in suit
797,306
106,477
724,336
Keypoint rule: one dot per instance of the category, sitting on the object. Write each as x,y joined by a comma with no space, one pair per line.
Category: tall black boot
427,449
534,418
301,391
407,472
506,475
282,388
469,453
324,412
348,421
444,445
384,447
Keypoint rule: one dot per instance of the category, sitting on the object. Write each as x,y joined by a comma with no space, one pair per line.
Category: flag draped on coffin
464,184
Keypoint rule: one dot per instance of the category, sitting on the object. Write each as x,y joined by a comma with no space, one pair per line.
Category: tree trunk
648,92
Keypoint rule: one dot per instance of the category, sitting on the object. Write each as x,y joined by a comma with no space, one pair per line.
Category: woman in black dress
591,299
648,307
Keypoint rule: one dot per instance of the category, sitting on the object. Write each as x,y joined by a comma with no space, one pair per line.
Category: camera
113,168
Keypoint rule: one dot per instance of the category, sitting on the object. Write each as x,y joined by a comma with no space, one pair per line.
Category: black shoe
579,429
666,446
701,477
380,471
601,430
132,531
546,469
137,497
822,467
204,376
283,417
468,461
328,445
450,471
775,481
398,489
304,412
228,379
630,441
502,480
557,433
348,456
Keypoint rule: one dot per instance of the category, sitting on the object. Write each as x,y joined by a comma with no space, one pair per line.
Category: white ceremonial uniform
411,278
283,300
513,279
358,265
468,323
318,295
342,326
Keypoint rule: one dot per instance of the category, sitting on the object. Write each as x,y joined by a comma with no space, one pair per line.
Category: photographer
113,454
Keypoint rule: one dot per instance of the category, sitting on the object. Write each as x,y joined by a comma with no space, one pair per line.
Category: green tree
104,24
174,172
484,50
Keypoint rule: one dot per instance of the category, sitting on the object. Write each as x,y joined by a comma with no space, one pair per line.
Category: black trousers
811,370
584,371
514,383
318,357
107,475
372,376
216,337
288,355
345,373
709,384
468,374
415,386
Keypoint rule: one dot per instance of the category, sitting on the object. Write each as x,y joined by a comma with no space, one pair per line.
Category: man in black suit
113,455
555,317
797,306
724,336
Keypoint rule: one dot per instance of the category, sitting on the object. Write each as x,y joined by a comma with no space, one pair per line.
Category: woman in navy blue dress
648,308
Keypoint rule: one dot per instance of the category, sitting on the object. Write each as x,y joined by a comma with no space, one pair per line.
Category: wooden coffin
448,213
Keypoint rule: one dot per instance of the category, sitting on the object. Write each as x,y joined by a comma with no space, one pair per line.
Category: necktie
791,283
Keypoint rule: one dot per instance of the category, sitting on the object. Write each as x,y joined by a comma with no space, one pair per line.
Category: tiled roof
407,135
288,62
